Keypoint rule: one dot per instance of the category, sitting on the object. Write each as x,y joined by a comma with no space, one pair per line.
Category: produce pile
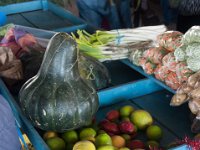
116,44
120,130
176,61
161,62
190,91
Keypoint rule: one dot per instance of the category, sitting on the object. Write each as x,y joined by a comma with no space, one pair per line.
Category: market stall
60,97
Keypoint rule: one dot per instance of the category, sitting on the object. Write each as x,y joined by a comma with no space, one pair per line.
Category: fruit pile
120,130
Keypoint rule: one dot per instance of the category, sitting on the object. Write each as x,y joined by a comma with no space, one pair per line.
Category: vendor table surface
39,19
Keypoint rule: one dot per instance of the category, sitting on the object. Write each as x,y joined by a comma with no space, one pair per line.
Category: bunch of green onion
116,44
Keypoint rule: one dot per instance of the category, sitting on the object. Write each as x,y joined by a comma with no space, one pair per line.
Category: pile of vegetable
116,44
189,51
122,129
161,62
190,91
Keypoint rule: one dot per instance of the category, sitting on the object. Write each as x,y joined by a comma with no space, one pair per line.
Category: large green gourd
57,98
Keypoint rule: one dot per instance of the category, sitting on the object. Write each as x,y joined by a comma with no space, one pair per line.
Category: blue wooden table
42,14
146,94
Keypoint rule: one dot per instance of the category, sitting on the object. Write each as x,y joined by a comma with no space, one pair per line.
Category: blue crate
45,5
134,93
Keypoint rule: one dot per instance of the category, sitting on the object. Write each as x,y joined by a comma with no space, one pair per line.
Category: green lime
49,134
126,110
107,147
103,139
141,119
101,131
84,145
70,136
56,143
87,132
124,148
152,144
154,132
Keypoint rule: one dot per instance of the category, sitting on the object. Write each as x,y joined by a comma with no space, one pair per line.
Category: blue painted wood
46,20
71,29
21,7
65,14
26,126
176,119
140,70
44,4
127,91
18,19
183,147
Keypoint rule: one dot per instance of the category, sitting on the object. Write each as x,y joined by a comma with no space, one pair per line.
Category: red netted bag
161,72
169,61
172,81
170,40
183,72
155,54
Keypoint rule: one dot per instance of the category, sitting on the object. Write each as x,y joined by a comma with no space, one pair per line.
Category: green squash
57,98
93,71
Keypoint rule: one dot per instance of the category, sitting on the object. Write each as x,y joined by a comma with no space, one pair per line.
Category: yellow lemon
84,145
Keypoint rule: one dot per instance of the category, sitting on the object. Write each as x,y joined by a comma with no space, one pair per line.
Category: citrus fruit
56,143
84,145
107,147
101,131
124,148
118,141
70,136
152,144
87,132
103,139
126,110
154,132
49,134
141,119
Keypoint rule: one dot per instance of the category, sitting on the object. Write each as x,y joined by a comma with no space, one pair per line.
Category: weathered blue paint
127,91
44,4
140,70
183,147
71,29
21,7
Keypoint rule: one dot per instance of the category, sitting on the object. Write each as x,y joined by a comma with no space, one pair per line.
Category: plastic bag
180,53
193,64
170,40
170,62
147,66
193,50
94,72
161,72
192,35
182,72
155,54
172,81
10,67
135,56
